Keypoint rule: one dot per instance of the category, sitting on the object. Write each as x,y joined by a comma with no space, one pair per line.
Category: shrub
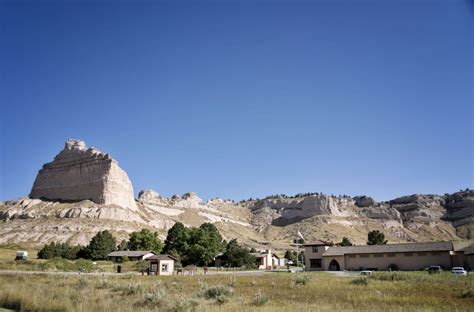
184,305
360,281
259,299
84,265
222,299
216,291
156,298
82,283
302,280
127,289
397,276
10,301
469,293
103,284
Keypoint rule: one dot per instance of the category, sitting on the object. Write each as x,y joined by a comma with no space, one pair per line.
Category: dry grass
8,252
268,292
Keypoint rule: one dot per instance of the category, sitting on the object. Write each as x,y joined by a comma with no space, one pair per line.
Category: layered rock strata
80,172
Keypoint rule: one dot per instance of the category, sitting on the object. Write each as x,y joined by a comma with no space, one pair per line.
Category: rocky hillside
272,221
83,191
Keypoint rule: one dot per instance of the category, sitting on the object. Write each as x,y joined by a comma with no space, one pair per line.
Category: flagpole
300,236
297,256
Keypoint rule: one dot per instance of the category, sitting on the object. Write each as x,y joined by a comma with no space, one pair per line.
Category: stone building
407,256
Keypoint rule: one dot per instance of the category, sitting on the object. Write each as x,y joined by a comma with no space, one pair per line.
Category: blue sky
242,99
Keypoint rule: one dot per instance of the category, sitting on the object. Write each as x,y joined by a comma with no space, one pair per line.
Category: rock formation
364,201
80,172
83,191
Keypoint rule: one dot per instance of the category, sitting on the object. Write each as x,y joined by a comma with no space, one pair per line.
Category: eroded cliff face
80,172
83,191
274,220
408,218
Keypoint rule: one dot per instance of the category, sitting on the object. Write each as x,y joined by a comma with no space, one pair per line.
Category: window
315,249
435,253
378,255
315,263
391,255
364,256
154,267
352,256
408,254
421,253
164,267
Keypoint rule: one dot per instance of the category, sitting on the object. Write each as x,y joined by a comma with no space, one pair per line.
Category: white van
21,255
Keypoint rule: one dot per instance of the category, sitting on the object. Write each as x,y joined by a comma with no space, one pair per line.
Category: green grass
269,292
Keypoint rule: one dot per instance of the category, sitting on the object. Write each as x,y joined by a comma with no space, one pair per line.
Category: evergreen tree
100,246
345,242
48,251
376,238
59,250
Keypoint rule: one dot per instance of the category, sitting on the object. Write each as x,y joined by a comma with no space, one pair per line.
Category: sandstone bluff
84,190
80,172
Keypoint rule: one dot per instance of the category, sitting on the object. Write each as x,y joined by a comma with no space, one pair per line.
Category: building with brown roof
131,255
407,256
161,265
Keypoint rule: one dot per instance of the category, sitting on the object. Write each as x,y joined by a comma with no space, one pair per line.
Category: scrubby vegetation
269,292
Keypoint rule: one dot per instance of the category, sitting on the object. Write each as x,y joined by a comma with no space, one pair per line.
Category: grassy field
267,292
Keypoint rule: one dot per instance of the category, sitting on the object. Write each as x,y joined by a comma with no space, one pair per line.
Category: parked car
365,272
459,271
434,269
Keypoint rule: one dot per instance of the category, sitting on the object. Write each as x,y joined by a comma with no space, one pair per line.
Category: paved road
211,272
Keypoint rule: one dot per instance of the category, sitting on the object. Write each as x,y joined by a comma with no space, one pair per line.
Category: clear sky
242,99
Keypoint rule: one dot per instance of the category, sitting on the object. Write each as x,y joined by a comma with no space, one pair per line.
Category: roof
129,253
407,247
469,250
462,245
318,243
161,257
262,254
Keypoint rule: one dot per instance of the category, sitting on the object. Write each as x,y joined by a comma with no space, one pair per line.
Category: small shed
132,255
161,265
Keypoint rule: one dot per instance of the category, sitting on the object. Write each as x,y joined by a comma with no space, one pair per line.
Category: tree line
195,245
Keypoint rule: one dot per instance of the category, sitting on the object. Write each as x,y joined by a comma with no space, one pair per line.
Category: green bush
155,299
216,291
184,305
259,299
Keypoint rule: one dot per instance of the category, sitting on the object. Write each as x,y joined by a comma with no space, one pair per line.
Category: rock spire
80,172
